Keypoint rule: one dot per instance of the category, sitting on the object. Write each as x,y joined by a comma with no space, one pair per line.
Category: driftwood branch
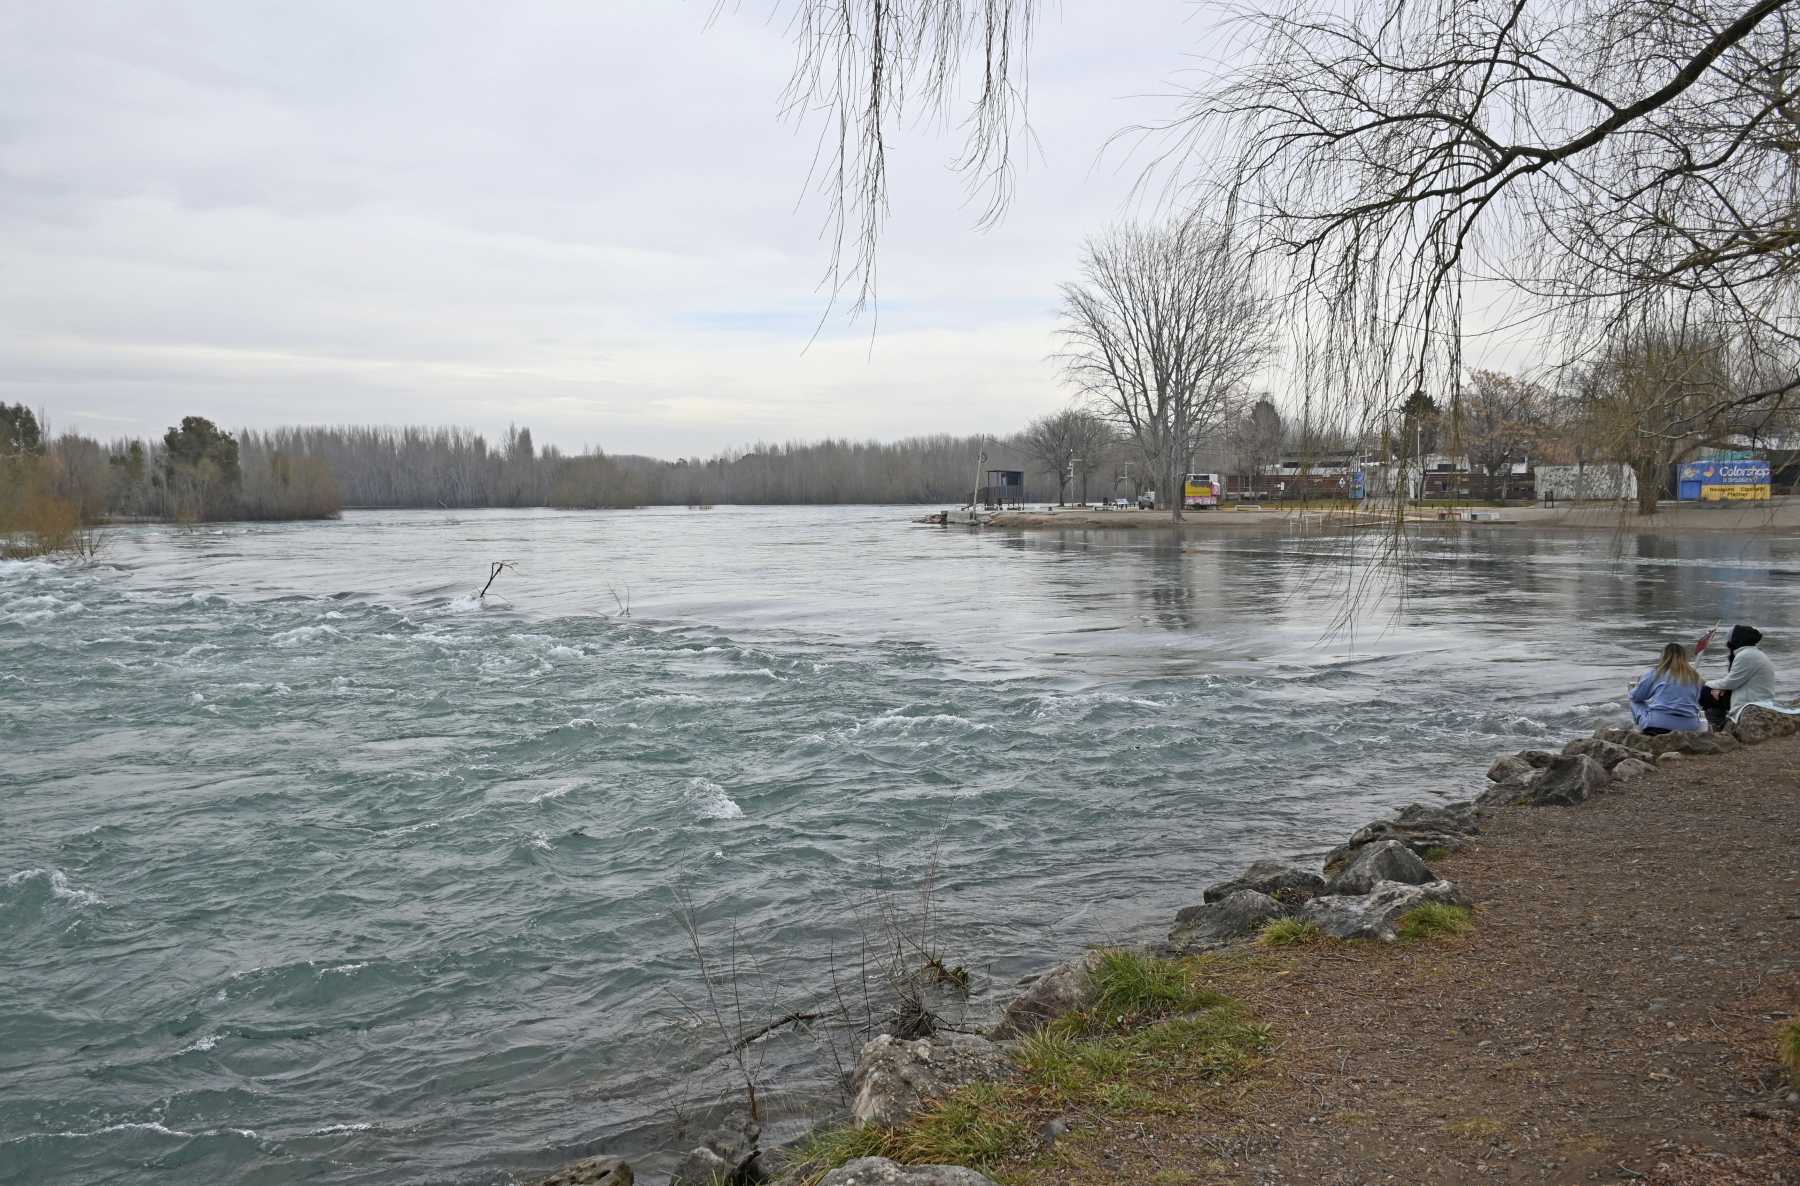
780,1022
494,570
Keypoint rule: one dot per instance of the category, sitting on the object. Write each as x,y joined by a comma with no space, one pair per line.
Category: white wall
1598,480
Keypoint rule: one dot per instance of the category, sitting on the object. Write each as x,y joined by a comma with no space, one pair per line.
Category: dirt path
1611,1019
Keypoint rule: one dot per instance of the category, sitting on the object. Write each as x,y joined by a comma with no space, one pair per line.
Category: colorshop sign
1719,481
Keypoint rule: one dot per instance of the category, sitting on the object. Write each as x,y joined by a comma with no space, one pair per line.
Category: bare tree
1258,441
1592,156
1046,441
1094,445
1162,333
1650,401
1501,418
1598,157
1071,445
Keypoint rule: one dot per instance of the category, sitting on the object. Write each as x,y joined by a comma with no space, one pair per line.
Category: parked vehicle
1147,500
1201,491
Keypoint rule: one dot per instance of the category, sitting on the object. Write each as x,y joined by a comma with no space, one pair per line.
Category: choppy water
313,868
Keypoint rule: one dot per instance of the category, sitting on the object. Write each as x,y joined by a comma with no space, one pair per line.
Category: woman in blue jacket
1667,699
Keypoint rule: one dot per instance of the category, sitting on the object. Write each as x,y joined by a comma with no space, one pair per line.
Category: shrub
34,519
1435,918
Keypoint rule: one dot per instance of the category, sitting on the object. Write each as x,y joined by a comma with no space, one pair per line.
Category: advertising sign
1724,481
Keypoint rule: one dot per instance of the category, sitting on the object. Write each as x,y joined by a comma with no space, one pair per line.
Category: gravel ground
1611,1018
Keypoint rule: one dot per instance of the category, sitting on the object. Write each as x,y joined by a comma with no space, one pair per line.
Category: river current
315,867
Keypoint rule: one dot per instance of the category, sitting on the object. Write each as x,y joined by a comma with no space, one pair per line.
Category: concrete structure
1595,480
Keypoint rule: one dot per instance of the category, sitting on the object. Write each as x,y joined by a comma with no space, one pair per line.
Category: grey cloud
585,216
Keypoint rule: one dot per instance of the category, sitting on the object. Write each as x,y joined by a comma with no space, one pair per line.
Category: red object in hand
1700,647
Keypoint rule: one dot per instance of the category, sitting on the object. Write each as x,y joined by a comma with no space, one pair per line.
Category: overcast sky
588,217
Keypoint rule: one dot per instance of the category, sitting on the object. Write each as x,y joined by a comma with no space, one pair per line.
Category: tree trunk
1649,486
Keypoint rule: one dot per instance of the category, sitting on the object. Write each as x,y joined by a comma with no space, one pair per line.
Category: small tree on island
200,470
19,431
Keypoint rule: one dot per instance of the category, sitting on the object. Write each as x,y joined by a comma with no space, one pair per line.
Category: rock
1505,794
1607,753
894,1077
1067,987
1455,818
879,1171
1509,769
729,1157
1618,735
1215,924
702,1167
1632,768
1377,914
1693,744
1667,759
1566,781
1757,724
1537,759
591,1171
1420,827
1288,884
1384,860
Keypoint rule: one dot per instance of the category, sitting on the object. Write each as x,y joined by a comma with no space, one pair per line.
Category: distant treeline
53,486
453,467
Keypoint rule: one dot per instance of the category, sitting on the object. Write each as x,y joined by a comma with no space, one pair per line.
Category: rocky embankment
1365,891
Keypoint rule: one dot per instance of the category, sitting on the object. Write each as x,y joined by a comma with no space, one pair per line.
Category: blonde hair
1675,665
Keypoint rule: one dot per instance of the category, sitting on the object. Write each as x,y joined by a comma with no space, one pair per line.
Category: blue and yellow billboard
1724,481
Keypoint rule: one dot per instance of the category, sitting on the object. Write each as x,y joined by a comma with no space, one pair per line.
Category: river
314,866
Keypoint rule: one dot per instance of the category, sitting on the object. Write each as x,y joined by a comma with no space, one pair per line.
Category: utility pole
975,490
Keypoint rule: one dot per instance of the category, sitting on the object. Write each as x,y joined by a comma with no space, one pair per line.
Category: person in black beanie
1749,677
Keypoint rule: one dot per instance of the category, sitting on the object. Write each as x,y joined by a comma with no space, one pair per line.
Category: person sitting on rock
1667,699
1749,679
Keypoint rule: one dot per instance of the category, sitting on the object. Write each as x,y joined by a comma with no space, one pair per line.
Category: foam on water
709,800
57,882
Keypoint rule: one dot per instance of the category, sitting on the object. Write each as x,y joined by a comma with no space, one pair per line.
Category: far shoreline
1778,518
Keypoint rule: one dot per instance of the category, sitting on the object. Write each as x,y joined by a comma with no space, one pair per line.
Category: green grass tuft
974,1126
1133,984
1289,932
1219,1043
1436,852
829,1148
1113,1072
1787,1047
1435,918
